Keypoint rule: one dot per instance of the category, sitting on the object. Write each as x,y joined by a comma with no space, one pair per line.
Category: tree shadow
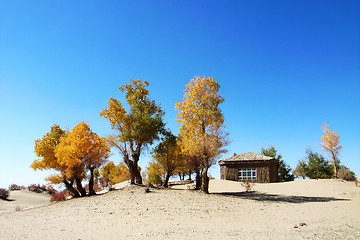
7,199
266,197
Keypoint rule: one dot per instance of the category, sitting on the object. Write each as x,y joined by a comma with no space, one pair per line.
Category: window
247,174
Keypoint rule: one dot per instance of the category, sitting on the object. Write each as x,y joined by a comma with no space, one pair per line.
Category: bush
345,174
37,188
4,194
51,190
59,196
14,187
247,185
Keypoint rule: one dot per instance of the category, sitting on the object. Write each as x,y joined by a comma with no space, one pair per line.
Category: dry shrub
247,185
4,194
59,196
14,187
345,174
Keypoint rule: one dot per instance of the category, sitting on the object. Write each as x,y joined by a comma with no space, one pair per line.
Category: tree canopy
72,154
284,171
136,128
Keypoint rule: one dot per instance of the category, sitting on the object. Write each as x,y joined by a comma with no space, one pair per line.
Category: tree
168,156
314,166
80,151
202,124
284,171
45,150
330,144
154,173
136,128
300,170
110,173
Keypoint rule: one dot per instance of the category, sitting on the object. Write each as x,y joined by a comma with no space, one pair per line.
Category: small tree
284,171
154,173
167,155
330,144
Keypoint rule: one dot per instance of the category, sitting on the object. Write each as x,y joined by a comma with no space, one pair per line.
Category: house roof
249,156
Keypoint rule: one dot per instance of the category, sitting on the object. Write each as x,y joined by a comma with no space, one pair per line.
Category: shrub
14,187
35,188
59,196
51,190
345,174
247,185
4,194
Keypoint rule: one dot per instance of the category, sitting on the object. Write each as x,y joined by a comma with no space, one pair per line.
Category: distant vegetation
284,171
314,165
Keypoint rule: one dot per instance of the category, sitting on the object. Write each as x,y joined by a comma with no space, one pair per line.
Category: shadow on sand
265,197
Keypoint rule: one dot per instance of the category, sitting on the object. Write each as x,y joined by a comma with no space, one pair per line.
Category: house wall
265,172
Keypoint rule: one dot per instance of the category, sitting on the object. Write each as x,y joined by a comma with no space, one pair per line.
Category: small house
250,167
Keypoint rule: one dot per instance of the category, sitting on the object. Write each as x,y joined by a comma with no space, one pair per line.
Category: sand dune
330,209
24,199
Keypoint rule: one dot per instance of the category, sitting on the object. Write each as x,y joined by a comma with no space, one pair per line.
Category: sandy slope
330,209
24,199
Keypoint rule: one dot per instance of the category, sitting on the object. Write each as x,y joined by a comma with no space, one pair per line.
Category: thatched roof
249,156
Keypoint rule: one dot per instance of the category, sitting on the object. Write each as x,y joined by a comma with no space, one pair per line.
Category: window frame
247,174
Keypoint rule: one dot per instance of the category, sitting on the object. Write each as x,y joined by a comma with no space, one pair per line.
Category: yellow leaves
54,179
330,141
82,148
201,119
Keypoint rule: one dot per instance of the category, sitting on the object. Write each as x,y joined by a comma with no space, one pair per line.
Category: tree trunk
71,189
166,182
205,181
79,187
198,180
190,173
138,178
91,183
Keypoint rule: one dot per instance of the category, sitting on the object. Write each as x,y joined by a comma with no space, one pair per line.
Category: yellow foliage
201,120
154,173
330,144
82,149
54,179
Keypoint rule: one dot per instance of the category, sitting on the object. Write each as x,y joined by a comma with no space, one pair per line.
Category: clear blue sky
285,68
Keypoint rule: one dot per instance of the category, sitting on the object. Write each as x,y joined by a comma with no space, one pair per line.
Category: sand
329,208
24,199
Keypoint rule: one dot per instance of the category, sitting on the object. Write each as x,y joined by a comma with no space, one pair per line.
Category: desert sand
329,208
24,199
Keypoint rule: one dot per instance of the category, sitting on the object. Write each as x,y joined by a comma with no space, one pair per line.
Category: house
249,167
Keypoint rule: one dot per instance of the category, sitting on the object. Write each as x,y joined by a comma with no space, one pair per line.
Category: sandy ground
24,199
330,209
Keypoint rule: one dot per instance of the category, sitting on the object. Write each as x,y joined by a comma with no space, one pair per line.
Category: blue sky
285,68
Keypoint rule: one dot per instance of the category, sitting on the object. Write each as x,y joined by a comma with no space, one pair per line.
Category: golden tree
80,151
202,124
136,128
45,150
330,144
112,174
